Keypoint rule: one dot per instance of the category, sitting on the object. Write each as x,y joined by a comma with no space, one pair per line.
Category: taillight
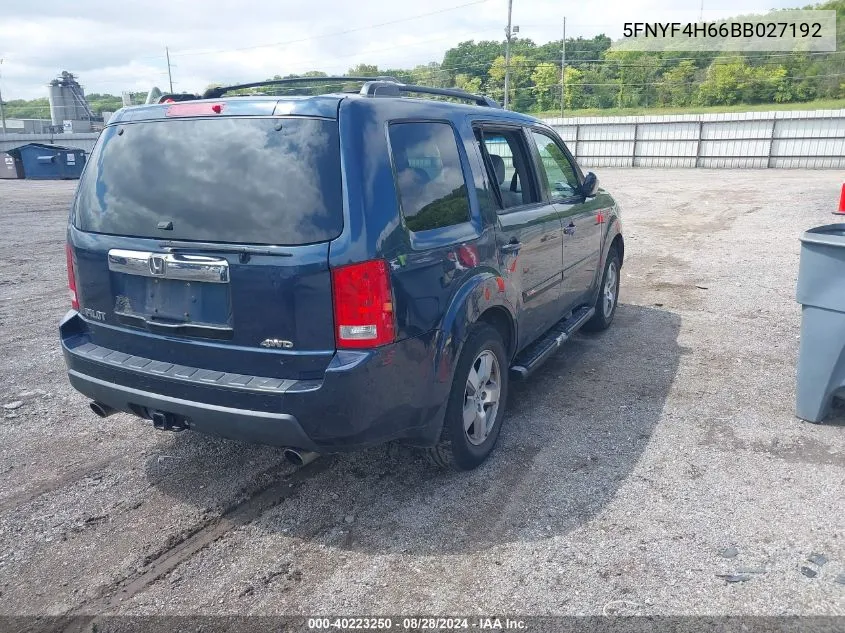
363,305
71,278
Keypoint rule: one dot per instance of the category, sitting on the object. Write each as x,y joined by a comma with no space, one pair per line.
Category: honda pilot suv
330,272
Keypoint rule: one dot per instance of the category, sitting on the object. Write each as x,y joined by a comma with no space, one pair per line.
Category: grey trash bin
821,293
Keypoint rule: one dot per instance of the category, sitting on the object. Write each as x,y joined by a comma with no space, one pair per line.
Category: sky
114,45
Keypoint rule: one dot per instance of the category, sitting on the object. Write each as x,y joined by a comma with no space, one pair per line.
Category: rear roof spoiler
182,96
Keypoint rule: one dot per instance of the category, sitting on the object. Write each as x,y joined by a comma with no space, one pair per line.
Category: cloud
115,46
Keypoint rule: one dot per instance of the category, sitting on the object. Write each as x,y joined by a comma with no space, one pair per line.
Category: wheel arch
487,297
499,318
618,242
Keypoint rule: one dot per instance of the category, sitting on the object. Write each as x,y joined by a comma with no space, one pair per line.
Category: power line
529,64
749,55
325,35
307,86
318,61
310,64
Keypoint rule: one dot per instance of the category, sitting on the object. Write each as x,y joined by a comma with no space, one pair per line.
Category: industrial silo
69,110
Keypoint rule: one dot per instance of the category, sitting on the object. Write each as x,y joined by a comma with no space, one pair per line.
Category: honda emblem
158,265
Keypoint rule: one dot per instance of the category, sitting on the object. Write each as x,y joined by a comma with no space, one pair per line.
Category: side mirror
590,186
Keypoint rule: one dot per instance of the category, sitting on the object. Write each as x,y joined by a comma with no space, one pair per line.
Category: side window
507,166
561,181
432,191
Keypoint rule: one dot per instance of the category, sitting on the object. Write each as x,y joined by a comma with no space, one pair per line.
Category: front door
529,230
582,219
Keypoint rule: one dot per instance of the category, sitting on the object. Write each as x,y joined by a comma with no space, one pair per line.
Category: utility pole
2,114
563,68
508,55
169,76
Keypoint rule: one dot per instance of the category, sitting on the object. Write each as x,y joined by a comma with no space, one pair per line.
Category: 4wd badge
276,343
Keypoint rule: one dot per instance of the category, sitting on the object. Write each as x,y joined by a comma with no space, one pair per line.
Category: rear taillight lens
363,305
71,278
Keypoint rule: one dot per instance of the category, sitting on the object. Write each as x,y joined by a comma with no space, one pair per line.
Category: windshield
230,179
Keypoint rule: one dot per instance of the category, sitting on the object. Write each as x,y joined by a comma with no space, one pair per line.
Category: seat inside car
509,198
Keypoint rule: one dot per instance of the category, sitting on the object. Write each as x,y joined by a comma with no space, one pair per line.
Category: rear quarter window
429,177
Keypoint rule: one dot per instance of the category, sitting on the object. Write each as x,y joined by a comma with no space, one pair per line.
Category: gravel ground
634,469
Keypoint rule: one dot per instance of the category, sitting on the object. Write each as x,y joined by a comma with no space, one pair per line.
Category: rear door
582,220
204,241
529,232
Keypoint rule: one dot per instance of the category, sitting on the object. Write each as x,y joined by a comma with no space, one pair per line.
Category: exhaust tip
102,410
298,457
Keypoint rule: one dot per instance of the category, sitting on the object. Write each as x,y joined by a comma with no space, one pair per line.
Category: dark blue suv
330,272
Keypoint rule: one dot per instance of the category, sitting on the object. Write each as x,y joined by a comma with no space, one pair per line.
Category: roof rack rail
214,93
390,88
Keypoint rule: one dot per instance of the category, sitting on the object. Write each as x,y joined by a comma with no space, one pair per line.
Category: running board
539,351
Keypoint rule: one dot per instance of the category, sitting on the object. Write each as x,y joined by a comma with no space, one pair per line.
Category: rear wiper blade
213,247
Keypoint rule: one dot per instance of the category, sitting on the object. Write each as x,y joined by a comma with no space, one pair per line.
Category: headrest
400,157
498,167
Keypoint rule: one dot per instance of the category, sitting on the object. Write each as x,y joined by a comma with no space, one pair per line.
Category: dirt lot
634,469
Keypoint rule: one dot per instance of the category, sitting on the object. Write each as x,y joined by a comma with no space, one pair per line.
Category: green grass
822,104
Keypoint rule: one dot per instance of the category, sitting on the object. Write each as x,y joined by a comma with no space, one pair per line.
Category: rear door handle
511,247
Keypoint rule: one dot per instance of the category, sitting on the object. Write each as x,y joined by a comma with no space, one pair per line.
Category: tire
461,447
605,306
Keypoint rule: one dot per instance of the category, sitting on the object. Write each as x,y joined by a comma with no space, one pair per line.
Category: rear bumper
259,427
364,398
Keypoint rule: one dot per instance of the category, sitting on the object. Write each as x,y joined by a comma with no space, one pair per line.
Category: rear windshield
243,180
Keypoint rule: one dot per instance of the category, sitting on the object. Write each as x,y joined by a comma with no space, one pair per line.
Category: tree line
600,78
594,76
40,108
